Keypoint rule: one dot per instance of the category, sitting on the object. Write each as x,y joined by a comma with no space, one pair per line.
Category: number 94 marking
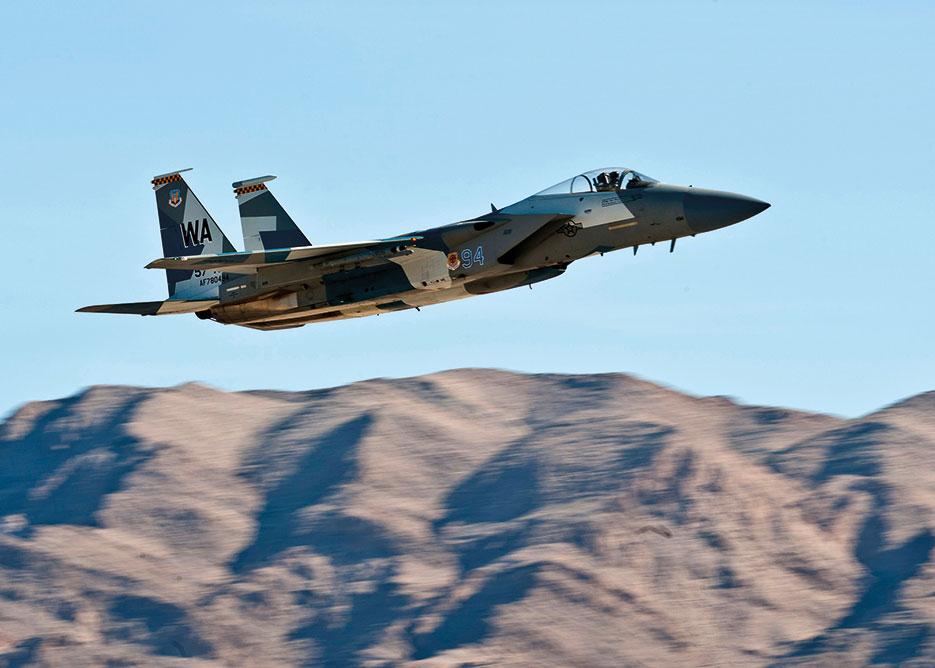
470,258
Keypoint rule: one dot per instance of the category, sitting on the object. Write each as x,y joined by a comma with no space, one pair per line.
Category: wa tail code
195,232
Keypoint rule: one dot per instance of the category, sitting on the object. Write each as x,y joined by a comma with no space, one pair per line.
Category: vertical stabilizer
187,229
266,225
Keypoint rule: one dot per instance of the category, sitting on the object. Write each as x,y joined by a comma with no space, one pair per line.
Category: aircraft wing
250,260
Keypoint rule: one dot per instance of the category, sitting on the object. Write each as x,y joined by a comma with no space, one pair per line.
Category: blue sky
387,117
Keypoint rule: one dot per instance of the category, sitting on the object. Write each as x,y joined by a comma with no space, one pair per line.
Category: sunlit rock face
470,517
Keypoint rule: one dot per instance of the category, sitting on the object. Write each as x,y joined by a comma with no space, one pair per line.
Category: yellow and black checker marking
166,179
249,189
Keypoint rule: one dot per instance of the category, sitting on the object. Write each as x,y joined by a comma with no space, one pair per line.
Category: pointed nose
707,210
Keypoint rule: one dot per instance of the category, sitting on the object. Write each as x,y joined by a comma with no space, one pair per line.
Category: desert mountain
467,518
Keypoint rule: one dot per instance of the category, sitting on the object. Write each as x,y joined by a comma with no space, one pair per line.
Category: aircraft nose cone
706,211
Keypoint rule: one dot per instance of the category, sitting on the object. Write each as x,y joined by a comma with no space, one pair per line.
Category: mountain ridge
469,517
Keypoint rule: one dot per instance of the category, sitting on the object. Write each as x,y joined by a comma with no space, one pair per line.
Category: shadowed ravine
466,518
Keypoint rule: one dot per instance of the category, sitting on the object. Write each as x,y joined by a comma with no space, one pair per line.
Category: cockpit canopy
608,179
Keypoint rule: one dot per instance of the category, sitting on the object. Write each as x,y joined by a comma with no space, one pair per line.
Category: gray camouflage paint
269,286
187,228
265,224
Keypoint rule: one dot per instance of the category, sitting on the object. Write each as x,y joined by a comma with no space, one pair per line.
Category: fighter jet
280,280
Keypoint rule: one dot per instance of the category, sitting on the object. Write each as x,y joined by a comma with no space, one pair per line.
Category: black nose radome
706,211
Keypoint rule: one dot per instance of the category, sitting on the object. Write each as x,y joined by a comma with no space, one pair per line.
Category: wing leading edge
251,260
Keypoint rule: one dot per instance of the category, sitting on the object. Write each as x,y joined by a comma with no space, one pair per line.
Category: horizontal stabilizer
251,260
152,308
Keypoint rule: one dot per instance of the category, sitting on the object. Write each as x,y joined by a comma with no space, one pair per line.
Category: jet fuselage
269,286
532,240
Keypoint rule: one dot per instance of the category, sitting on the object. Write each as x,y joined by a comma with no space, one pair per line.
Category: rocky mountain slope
468,518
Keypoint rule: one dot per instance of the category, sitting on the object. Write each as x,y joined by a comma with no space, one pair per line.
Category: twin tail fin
266,225
188,229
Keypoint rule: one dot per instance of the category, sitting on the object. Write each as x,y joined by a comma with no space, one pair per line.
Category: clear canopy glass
607,179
